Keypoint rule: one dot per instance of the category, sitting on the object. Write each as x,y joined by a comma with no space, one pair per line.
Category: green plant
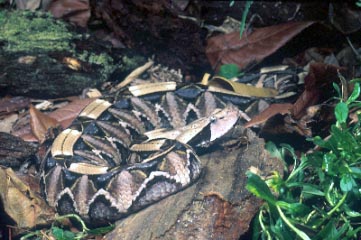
244,16
229,71
232,70
319,198
59,233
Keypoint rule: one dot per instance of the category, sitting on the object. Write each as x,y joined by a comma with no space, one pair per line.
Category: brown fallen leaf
8,105
254,47
20,203
40,123
77,12
302,114
318,87
63,116
306,99
272,110
66,115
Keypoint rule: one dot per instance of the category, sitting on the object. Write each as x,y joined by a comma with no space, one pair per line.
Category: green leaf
229,71
356,172
347,182
299,232
101,230
355,93
273,150
353,234
341,112
329,164
331,193
244,17
328,232
256,226
259,188
313,190
61,234
295,209
317,140
350,212
356,79
281,231
290,149
338,90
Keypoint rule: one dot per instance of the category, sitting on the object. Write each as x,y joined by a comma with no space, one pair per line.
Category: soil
155,28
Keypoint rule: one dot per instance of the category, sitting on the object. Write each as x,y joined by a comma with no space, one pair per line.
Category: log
14,151
44,78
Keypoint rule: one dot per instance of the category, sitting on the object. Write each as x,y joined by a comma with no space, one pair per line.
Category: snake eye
213,119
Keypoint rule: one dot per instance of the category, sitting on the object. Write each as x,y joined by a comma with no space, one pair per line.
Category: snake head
204,131
222,121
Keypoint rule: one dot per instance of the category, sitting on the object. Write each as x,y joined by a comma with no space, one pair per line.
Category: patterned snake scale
116,159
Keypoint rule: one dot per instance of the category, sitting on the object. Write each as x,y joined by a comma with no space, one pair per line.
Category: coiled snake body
118,158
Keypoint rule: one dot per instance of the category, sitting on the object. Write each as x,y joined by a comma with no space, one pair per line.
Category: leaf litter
223,49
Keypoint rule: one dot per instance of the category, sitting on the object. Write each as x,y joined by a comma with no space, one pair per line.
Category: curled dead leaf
41,123
318,87
242,89
20,203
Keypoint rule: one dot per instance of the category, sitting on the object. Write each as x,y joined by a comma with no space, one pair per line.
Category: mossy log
43,77
42,57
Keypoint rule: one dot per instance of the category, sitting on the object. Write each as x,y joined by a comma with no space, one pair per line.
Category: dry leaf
133,75
40,123
27,4
242,89
68,113
306,99
21,203
272,110
7,122
318,87
8,105
254,47
63,116
76,11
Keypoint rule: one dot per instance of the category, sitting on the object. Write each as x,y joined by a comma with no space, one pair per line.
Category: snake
123,154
